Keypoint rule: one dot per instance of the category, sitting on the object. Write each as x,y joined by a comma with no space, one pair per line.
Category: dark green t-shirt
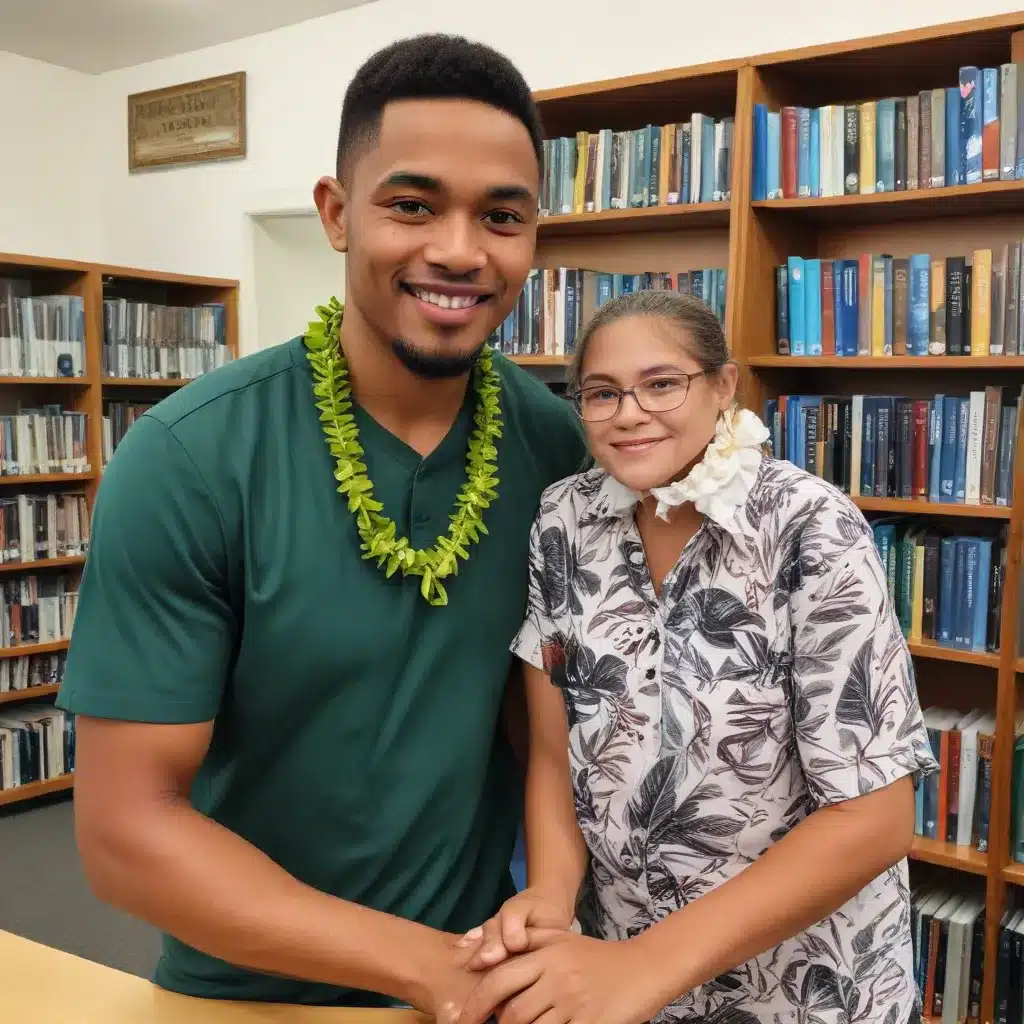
357,738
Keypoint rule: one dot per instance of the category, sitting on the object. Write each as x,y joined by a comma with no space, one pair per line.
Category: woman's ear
331,201
728,379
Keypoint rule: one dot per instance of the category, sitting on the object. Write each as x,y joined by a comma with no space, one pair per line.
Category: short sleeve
154,632
539,642
857,717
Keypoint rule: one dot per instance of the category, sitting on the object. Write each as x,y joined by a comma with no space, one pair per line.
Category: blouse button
650,673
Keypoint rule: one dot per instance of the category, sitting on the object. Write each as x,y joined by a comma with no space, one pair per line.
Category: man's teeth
446,301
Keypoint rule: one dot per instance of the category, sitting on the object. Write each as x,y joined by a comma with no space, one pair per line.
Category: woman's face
653,442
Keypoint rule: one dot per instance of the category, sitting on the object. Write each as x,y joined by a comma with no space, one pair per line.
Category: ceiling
102,35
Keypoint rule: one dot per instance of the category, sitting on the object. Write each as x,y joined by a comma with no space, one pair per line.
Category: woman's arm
800,880
556,855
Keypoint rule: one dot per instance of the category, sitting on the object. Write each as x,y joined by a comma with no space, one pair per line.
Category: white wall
196,219
294,270
48,199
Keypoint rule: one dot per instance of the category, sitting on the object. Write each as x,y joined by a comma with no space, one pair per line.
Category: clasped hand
535,970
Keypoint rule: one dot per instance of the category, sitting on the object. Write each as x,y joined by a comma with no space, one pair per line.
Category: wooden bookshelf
87,394
757,236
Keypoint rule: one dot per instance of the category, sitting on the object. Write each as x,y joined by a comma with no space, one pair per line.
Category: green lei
333,392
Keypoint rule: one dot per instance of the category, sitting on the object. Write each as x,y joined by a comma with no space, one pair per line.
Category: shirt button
650,673
421,519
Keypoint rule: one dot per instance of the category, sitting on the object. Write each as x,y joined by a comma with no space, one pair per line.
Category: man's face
440,223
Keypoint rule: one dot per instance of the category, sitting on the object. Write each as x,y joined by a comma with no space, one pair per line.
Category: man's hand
445,978
570,979
505,934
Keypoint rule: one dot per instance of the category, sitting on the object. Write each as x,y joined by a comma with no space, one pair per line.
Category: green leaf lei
334,400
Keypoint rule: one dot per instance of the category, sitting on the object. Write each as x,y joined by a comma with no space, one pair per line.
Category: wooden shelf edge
20,650
32,693
907,198
886,362
605,85
1014,873
145,382
21,379
639,219
66,561
932,508
30,479
935,652
31,790
539,360
161,276
949,855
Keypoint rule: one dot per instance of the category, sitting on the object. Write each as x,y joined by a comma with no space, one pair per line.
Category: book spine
1007,121
851,149
970,126
913,114
990,155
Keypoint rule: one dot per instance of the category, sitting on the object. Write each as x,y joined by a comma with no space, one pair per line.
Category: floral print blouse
770,678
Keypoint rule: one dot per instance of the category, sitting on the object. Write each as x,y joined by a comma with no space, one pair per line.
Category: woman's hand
505,934
565,978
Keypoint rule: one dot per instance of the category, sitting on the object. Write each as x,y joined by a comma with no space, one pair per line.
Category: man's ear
331,201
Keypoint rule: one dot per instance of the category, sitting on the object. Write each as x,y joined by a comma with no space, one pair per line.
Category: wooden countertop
48,986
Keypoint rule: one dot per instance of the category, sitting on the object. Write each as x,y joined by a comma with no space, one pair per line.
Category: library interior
843,187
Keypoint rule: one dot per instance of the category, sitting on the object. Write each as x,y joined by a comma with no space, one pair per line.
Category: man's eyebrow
510,192
424,182
413,180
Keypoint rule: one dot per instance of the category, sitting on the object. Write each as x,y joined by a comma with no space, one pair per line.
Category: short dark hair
432,66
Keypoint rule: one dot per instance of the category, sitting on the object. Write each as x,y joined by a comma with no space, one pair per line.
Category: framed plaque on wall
185,124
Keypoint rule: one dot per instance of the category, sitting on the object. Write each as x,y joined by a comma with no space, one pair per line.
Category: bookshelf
751,237
88,394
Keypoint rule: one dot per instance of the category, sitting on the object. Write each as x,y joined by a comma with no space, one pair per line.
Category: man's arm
147,851
154,640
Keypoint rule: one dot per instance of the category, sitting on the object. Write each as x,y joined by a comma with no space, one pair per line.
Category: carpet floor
44,894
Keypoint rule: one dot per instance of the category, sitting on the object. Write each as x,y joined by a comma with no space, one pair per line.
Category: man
289,756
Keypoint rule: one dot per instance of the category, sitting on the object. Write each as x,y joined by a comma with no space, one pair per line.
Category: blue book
815,154
759,179
990,113
979,629
797,306
844,292
773,164
885,136
963,615
960,466
950,417
605,287
954,138
707,160
947,573
934,448
812,297
970,125
803,151
919,318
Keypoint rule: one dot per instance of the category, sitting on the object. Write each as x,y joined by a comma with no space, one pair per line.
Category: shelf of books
84,348
853,207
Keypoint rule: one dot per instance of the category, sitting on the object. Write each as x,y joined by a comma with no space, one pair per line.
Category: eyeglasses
659,394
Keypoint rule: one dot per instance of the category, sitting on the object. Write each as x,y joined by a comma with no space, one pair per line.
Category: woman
726,760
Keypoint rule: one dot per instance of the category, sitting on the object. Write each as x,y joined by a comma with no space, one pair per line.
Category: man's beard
433,366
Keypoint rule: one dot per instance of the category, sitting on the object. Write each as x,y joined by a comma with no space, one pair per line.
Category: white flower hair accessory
719,484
